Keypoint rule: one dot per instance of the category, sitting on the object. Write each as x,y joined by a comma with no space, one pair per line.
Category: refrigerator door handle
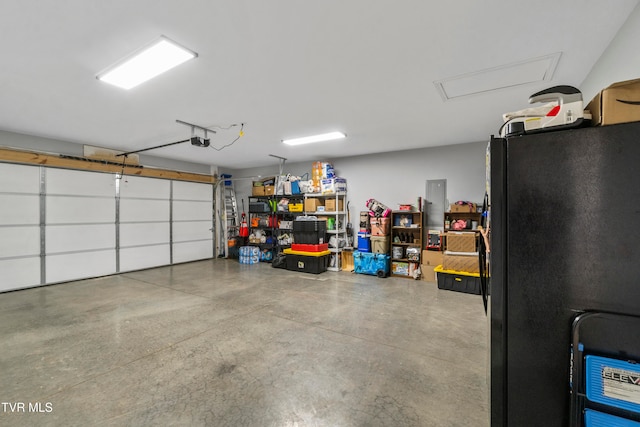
483,249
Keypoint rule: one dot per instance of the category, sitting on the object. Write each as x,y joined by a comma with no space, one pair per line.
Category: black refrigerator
565,244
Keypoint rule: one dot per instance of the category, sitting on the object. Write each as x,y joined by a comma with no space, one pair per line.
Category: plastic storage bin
259,207
310,248
468,283
307,262
599,419
310,232
613,382
370,263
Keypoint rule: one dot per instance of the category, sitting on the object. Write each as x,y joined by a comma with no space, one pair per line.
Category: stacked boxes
249,255
461,252
430,260
364,235
460,264
333,185
321,171
380,235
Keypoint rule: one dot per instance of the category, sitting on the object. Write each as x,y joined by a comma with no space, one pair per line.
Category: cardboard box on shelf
617,103
264,187
269,190
470,207
311,204
330,205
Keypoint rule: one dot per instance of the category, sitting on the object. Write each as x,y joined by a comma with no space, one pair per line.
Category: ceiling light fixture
160,56
315,138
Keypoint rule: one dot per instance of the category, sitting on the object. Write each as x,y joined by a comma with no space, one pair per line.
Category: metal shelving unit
339,229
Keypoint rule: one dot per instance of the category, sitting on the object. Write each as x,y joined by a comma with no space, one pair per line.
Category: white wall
619,61
397,177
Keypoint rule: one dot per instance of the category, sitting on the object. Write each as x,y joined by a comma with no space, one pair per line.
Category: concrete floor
216,343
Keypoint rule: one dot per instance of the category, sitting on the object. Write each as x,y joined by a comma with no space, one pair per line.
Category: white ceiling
285,68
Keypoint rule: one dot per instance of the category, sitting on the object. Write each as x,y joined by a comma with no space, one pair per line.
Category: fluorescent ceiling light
162,55
315,138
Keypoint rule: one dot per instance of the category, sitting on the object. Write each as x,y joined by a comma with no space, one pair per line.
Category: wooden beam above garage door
81,163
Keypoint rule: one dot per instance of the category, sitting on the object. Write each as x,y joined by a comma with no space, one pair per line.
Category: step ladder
232,218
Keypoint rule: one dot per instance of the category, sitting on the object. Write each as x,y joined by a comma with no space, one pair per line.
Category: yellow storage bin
458,281
314,254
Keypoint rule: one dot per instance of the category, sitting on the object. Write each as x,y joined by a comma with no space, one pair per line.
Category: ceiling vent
501,77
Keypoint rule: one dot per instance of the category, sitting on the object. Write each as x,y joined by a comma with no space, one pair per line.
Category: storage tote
307,262
468,283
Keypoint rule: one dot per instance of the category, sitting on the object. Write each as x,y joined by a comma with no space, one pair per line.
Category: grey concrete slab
215,343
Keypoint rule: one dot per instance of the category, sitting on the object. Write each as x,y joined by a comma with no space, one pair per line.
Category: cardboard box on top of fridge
617,103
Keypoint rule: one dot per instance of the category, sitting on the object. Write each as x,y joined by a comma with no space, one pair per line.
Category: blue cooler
364,242
370,263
